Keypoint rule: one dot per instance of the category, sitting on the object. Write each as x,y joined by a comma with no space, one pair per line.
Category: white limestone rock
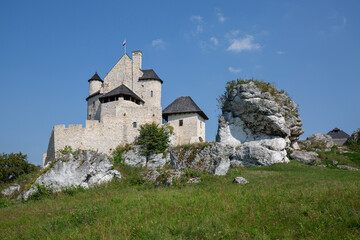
321,142
86,170
249,115
210,157
158,160
240,180
305,157
134,157
11,190
194,180
263,153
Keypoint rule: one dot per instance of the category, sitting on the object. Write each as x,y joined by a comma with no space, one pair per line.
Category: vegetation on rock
153,138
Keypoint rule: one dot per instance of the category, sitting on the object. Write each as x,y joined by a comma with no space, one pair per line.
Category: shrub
117,153
41,192
3,203
153,138
13,165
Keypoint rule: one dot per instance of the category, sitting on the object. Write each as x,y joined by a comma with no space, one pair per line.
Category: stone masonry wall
190,131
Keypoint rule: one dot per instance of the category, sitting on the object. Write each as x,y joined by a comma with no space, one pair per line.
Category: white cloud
196,18
214,40
234,70
199,21
280,52
220,16
158,43
242,44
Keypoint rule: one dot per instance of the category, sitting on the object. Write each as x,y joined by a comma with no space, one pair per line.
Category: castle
116,106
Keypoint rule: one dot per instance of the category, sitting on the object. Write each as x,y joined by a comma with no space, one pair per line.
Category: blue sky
49,49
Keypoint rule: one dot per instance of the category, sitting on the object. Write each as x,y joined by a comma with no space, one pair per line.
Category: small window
93,104
151,93
181,123
134,124
200,125
89,116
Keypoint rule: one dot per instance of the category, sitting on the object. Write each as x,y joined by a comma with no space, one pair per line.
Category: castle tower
95,84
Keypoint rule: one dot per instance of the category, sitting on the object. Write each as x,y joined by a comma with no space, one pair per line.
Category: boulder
240,180
194,180
162,178
210,157
135,158
347,167
85,169
251,113
11,190
263,152
320,142
305,157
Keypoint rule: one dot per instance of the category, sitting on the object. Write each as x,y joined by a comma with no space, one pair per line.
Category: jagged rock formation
85,169
355,137
11,190
260,121
316,142
251,113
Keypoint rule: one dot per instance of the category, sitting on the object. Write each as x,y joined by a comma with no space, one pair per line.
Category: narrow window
151,93
93,104
200,125
181,122
134,124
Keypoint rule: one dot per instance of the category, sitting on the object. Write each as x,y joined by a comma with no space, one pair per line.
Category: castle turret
95,84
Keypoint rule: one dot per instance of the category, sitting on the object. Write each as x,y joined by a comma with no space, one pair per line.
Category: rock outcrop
11,190
260,122
354,138
320,142
85,169
255,111
305,157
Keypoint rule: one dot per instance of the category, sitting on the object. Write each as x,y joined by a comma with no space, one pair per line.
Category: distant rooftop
337,133
121,90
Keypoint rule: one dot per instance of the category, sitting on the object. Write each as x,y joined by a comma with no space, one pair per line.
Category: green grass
351,159
285,201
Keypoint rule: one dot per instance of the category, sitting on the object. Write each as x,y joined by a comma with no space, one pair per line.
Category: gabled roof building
339,136
117,105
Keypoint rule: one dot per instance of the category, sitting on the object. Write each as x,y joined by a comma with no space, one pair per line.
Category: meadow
283,201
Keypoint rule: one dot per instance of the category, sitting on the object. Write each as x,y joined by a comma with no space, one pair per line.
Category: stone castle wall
193,128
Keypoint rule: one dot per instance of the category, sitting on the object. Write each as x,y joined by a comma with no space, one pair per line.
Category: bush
153,138
41,192
117,153
13,165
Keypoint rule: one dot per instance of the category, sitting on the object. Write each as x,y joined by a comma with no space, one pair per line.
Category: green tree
153,138
13,165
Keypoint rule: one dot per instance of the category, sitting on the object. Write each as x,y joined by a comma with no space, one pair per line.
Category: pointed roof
121,90
337,133
96,77
183,105
149,74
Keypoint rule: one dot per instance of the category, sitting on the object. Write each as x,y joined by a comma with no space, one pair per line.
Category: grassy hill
284,201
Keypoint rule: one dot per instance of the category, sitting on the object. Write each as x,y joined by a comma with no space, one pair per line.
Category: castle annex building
117,105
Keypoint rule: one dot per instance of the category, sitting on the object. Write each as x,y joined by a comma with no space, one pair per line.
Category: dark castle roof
121,90
183,105
337,133
93,95
96,77
149,74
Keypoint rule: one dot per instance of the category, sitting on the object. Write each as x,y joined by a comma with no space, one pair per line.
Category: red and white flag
124,43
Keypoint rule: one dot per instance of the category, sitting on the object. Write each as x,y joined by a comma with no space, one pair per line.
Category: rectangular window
134,124
200,125
151,93
181,123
